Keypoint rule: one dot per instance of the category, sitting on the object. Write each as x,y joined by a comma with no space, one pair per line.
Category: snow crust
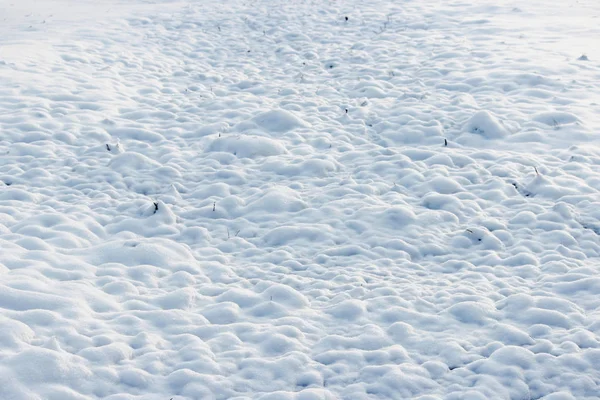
299,200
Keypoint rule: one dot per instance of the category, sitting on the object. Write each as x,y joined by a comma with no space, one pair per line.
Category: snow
299,200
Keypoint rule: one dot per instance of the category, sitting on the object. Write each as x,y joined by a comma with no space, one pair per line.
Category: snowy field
299,199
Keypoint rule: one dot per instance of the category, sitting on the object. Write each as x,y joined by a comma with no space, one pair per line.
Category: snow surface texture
256,200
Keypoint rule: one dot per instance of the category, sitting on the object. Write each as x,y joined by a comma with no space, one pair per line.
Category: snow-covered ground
299,199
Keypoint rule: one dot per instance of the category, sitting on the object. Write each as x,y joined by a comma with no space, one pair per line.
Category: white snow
299,200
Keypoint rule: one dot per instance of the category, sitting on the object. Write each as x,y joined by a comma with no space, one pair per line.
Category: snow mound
487,125
556,119
130,162
279,121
